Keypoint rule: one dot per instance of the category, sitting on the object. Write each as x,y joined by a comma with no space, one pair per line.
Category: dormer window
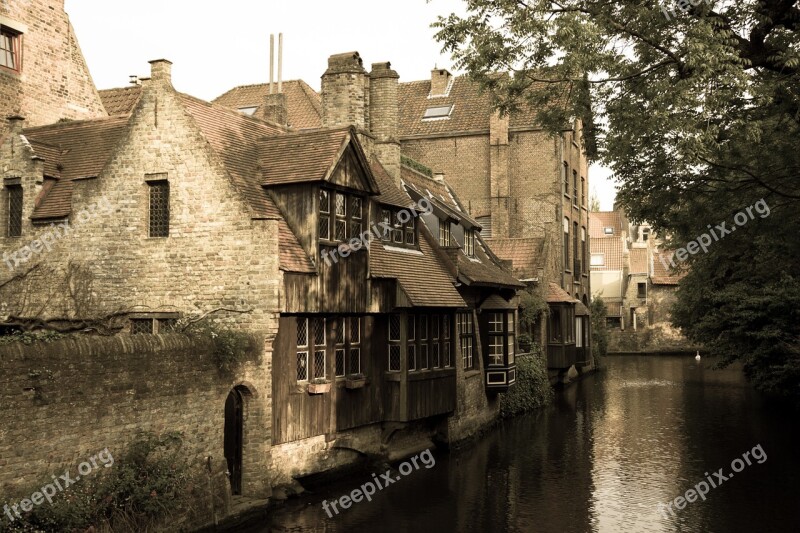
345,211
402,228
608,231
444,233
469,242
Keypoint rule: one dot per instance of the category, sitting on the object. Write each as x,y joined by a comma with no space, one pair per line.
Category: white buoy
697,357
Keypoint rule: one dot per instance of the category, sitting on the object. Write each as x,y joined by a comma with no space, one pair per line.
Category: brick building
43,75
172,208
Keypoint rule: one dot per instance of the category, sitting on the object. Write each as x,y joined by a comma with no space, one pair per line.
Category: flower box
355,382
319,388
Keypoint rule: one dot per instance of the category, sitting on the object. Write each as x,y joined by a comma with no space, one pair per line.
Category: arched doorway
234,437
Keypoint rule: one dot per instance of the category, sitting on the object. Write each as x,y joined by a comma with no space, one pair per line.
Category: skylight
248,110
608,230
437,112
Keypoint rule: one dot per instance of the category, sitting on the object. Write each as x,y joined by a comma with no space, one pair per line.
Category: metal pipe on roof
271,61
280,62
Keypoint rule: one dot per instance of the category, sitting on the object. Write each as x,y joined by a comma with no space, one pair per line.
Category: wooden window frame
15,39
155,231
15,195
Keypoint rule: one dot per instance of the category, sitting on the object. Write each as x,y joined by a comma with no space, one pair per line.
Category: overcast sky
216,46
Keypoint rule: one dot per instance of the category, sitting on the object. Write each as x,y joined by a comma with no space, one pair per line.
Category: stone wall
65,401
53,82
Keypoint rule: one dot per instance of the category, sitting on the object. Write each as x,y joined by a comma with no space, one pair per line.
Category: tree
599,327
700,115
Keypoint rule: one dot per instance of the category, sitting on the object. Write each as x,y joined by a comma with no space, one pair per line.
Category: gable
350,173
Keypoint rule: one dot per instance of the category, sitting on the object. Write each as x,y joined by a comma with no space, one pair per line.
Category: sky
215,49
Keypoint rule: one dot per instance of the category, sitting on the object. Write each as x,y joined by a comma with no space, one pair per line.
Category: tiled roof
612,251
122,100
484,269
303,103
423,277
639,261
604,219
525,254
471,110
72,150
556,294
664,275
235,139
301,157
390,194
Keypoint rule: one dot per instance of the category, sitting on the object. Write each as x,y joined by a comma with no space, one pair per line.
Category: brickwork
345,87
53,82
62,402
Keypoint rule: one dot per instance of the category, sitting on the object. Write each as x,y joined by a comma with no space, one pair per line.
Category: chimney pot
438,176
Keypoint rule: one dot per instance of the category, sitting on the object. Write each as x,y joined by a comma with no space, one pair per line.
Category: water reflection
601,459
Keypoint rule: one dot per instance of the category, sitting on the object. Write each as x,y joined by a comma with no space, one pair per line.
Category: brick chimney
384,116
275,109
161,71
345,92
440,81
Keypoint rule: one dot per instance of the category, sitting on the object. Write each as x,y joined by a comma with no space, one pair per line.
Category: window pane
394,328
141,326
341,209
423,362
437,361
319,364
355,228
355,361
339,363
448,361
14,210
495,350
412,357
511,350
355,330
511,325
159,209
446,326
355,207
319,331
341,230
302,332
166,325
394,358
324,227
412,330
324,201
302,366
338,330
435,327
496,323
423,327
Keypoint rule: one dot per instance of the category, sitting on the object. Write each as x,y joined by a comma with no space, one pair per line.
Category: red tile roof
72,150
484,268
525,254
612,251
663,273
423,277
303,103
556,294
122,100
390,194
605,219
471,109
301,157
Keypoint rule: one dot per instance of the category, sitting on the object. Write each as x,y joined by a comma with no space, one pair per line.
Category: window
166,325
437,112
448,359
576,256
141,326
598,259
469,242
412,345
356,213
9,48
248,110
608,231
14,210
574,187
318,329
583,191
340,226
159,208
339,354
411,232
444,232
355,345
386,218
565,178
641,290
496,339
394,343
302,349
645,234
324,214
556,333
511,340
398,228
583,248
466,337
566,244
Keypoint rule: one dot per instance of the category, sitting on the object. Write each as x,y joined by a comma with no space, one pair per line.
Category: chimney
15,123
345,96
275,108
384,116
438,176
440,81
161,71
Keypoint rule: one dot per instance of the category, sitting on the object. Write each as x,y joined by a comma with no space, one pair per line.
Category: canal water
641,432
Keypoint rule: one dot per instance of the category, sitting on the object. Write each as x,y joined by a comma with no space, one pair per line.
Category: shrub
29,337
532,389
231,347
599,327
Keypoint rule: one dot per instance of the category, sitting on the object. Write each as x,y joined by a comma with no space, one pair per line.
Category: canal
641,432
